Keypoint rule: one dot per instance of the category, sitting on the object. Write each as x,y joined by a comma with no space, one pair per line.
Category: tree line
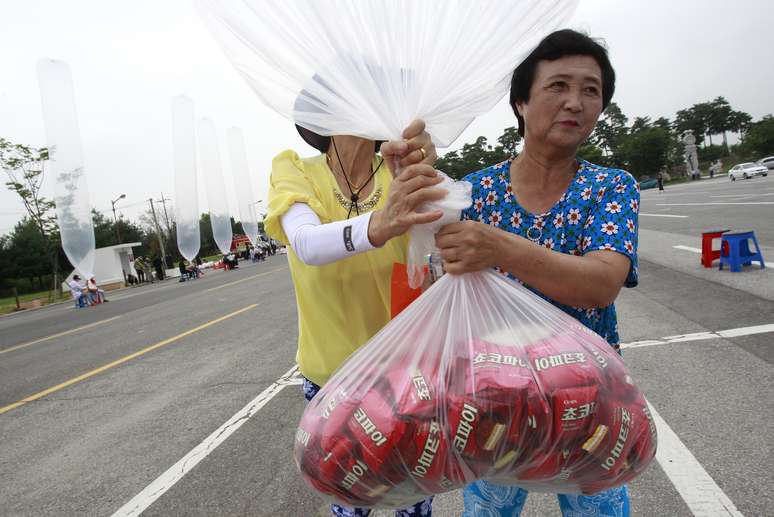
642,146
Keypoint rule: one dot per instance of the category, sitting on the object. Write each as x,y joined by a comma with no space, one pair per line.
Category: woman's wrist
378,234
507,249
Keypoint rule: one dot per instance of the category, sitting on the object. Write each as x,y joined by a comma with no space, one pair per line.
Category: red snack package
376,429
426,453
561,362
412,391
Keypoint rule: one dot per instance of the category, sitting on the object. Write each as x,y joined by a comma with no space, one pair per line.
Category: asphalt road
168,396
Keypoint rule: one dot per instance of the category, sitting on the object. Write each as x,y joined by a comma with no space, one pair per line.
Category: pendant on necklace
354,197
535,235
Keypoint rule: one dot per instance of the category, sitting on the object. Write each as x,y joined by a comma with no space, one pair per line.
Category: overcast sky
129,58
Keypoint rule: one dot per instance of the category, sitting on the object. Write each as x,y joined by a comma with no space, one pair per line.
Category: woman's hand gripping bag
478,378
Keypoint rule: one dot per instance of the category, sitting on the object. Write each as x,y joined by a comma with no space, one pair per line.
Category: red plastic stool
707,253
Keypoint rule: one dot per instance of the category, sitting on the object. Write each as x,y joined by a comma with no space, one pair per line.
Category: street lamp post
115,219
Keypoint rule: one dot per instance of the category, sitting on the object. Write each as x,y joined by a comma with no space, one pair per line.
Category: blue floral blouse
597,212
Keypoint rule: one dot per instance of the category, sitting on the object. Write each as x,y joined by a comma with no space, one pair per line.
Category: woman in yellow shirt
344,215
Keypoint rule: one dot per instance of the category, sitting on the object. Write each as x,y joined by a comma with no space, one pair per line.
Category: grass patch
9,304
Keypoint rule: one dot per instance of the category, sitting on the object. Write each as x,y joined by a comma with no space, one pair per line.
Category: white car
747,170
767,162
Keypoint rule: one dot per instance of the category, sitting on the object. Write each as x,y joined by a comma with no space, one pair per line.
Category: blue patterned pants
421,509
484,499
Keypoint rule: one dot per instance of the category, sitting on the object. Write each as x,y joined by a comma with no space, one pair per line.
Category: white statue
691,157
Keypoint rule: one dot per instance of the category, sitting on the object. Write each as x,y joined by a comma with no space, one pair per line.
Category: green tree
208,246
23,166
105,233
739,122
28,253
719,119
663,123
759,139
471,157
610,132
639,124
509,140
645,151
691,119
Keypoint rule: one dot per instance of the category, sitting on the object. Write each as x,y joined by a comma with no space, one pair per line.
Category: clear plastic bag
242,184
71,191
422,236
479,378
369,67
220,218
186,191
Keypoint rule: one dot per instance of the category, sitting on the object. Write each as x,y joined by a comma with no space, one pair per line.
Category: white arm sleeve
317,244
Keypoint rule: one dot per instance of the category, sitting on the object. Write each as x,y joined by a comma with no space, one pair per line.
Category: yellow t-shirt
343,304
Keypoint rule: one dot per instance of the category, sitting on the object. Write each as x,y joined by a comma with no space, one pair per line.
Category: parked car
747,171
647,182
767,162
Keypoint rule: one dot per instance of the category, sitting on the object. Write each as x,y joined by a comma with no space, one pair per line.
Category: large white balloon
242,183
63,137
220,219
186,192
369,67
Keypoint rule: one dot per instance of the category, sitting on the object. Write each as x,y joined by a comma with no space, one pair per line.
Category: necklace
354,191
535,232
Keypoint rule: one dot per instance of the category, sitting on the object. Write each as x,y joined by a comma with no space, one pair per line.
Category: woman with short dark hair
564,227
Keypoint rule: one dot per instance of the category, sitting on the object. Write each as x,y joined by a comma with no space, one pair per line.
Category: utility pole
115,220
158,231
163,201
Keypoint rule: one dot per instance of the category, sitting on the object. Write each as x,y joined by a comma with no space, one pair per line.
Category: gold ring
424,154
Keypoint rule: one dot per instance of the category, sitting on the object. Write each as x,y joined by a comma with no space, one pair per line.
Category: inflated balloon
63,136
242,183
369,67
186,193
216,188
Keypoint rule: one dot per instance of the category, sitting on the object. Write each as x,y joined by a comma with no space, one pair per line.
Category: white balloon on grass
242,183
220,218
186,193
369,67
63,138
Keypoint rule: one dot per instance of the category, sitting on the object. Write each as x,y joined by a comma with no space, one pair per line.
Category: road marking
244,279
663,215
697,488
173,474
717,203
699,336
122,360
697,250
60,334
746,195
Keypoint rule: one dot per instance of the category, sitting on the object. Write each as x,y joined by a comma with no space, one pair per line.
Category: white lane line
717,203
697,488
699,336
747,195
697,250
663,215
157,488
